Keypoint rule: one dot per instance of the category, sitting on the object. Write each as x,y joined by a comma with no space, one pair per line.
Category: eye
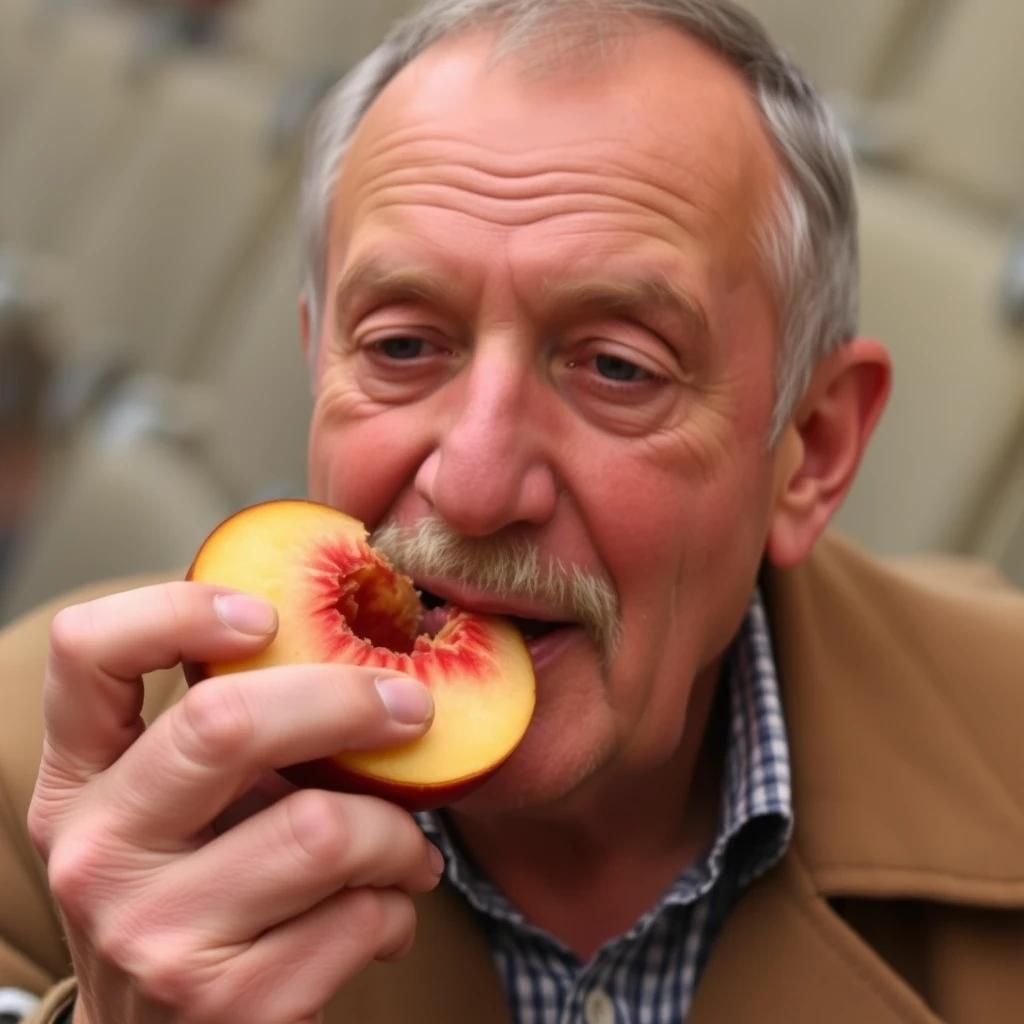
622,370
402,347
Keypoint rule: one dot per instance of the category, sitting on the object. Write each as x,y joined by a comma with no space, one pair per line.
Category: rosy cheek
363,467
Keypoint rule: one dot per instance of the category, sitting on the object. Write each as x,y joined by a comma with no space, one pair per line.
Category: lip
546,649
481,603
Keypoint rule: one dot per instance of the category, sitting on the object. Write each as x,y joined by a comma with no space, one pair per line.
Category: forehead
648,109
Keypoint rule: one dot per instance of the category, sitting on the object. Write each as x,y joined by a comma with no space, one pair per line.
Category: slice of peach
338,600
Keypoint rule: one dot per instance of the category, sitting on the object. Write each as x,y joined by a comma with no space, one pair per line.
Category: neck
586,870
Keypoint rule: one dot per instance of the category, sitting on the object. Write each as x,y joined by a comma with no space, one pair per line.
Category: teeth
433,620
430,601
436,609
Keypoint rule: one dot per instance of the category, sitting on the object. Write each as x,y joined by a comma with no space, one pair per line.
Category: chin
570,739
545,771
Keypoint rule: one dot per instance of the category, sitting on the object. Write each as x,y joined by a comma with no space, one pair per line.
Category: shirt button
598,1008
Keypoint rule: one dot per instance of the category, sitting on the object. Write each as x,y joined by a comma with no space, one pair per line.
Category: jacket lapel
888,683
448,978
903,702
784,955
894,797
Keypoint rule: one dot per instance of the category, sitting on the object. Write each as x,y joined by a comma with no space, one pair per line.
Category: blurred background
151,380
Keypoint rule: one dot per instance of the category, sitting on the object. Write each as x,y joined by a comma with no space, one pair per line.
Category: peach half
338,600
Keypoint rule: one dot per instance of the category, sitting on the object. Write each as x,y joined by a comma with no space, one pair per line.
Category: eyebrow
628,296
388,281
631,296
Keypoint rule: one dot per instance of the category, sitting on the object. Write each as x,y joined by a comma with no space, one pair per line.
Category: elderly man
581,284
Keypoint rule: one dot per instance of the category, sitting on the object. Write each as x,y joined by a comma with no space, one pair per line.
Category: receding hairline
570,51
573,44
808,242
616,28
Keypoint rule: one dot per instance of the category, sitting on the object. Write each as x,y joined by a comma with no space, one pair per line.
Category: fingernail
246,614
407,700
436,860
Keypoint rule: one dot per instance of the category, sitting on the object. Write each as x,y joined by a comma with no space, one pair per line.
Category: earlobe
818,457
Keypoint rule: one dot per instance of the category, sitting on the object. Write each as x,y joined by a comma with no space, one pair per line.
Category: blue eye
613,368
403,347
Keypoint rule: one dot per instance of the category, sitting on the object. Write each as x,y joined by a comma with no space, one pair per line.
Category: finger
290,857
266,790
292,971
100,650
207,750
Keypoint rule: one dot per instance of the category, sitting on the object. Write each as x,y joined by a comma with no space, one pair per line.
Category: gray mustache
507,567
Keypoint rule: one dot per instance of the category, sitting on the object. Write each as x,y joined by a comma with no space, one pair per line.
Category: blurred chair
165,461
257,382
997,534
940,205
72,128
932,268
312,36
129,502
162,238
22,46
25,374
965,116
843,47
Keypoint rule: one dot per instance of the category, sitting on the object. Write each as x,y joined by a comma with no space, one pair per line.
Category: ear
820,452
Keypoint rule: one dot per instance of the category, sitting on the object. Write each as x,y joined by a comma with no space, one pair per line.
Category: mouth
437,607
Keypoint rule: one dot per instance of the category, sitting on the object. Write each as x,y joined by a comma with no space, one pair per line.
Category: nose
491,467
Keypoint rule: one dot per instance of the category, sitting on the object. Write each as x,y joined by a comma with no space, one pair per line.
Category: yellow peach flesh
477,667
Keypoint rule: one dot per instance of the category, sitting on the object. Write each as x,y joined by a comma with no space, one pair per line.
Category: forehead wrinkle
705,187
525,201
507,213
458,147
540,172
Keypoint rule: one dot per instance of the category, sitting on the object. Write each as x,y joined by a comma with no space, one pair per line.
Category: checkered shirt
649,974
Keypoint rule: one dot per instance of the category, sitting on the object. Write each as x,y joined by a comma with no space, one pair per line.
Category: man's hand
195,885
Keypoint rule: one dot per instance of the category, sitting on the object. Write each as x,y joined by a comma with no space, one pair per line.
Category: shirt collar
756,789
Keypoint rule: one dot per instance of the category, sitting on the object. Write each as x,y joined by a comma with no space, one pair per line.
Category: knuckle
401,931
175,599
39,822
162,971
214,724
181,608
158,957
366,918
115,939
318,827
75,869
70,633
226,994
53,798
401,915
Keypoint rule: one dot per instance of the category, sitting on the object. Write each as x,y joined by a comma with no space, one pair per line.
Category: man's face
546,319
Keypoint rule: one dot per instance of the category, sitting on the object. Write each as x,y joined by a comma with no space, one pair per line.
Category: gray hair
809,242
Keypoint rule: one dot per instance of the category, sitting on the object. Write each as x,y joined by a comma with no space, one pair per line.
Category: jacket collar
897,689
903,702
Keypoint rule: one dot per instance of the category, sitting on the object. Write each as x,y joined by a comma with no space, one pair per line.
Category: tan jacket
901,900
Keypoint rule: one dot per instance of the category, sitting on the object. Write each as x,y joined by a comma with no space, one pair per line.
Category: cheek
360,463
683,547
657,528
